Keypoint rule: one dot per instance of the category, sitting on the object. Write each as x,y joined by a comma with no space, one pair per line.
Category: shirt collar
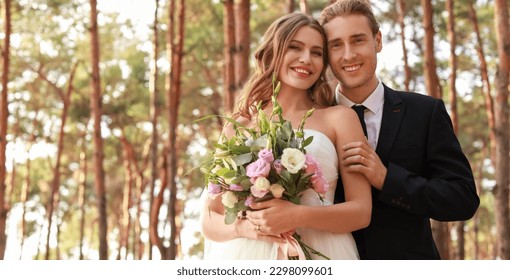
374,102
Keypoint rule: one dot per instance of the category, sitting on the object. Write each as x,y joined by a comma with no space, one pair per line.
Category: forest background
98,144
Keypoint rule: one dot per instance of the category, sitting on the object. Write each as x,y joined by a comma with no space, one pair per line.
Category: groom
413,161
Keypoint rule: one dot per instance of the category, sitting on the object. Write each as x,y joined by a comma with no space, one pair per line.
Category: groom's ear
378,41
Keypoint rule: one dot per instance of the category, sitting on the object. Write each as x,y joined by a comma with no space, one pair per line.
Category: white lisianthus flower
276,190
293,160
229,199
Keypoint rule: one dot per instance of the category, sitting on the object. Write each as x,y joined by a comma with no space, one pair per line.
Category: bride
295,47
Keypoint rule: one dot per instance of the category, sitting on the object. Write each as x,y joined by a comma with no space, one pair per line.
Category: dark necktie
360,110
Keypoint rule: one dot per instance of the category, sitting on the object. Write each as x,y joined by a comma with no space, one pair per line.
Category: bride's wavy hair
269,57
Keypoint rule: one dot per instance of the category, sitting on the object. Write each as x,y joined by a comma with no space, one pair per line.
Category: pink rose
278,166
235,187
249,200
256,169
311,165
213,189
319,183
266,155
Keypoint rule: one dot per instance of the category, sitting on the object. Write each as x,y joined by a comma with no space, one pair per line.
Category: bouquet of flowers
267,161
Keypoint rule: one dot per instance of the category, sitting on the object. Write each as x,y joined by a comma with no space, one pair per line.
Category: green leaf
308,141
246,183
230,217
238,150
260,142
295,199
243,159
285,175
226,173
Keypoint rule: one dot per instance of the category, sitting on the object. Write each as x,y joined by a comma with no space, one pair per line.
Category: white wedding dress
333,245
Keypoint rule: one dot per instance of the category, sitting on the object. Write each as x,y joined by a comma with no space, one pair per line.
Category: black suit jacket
429,177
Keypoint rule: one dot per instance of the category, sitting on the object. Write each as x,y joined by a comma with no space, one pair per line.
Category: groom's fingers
354,149
363,159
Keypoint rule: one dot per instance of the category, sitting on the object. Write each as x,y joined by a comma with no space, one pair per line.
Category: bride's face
303,60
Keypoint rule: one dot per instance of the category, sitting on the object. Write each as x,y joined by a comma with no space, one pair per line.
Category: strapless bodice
325,154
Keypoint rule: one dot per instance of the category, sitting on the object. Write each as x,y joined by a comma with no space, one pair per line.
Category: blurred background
98,140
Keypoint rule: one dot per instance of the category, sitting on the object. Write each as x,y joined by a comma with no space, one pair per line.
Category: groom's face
353,52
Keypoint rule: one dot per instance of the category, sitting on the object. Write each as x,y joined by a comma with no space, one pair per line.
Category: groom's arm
444,189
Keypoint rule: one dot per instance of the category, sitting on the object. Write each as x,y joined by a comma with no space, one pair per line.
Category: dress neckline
322,134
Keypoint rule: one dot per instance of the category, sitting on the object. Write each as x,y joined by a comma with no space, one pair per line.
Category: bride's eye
294,47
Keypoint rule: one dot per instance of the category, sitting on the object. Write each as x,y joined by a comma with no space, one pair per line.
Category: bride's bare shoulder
338,113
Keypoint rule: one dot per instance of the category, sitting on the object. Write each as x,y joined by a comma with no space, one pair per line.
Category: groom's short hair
350,7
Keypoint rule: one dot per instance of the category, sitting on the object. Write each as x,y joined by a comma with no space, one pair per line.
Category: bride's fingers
253,219
263,204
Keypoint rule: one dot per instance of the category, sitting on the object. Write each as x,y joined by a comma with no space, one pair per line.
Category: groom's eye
334,45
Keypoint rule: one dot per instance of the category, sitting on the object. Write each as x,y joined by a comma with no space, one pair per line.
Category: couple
408,169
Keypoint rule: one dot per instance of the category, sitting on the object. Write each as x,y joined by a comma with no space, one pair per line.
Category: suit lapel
393,111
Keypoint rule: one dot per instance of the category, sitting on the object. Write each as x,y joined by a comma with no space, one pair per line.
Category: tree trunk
431,80
229,50
126,200
82,192
12,181
486,89
242,37
140,248
502,129
440,230
4,113
453,107
96,111
478,168
303,7
154,114
407,69
25,191
23,200
174,93
291,6
156,206
55,185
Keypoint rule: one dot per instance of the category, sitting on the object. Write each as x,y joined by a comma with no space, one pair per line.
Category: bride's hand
274,216
252,231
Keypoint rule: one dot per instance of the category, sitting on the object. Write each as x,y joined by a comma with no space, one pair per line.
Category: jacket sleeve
442,187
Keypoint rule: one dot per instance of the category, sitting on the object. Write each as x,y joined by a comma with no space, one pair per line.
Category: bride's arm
213,223
353,214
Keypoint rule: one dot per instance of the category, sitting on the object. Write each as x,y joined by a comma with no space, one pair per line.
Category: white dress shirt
373,114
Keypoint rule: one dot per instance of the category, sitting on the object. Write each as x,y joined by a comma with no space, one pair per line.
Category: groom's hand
361,157
274,216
